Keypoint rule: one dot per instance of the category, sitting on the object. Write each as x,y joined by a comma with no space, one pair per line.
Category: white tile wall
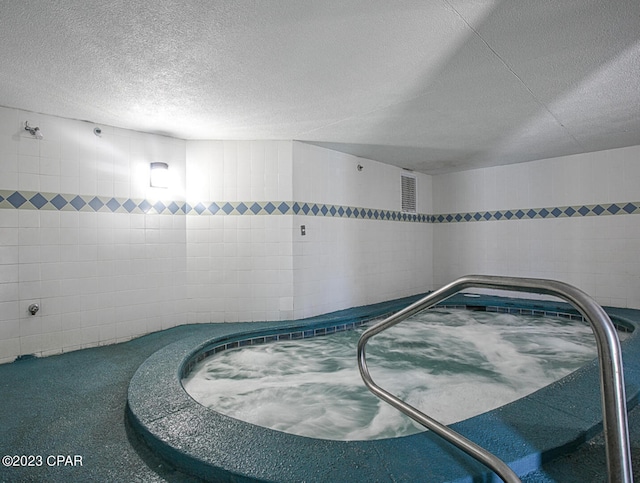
325,176
597,254
103,277
600,177
239,170
107,277
243,268
239,267
99,277
342,263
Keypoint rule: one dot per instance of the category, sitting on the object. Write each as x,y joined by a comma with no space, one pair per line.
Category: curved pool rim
525,433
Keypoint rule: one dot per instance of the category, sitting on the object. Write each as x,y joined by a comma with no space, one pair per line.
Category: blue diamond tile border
59,202
269,208
213,208
38,201
145,206
129,205
113,204
173,207
32,200
601,209
96,204
199,208
78,203
16,199
227,208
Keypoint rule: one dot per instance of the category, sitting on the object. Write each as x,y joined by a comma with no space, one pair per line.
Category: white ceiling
431,85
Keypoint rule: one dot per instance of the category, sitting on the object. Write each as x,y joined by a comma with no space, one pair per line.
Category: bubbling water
452,365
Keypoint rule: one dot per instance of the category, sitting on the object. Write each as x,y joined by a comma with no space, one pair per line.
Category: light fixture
159,175
34,131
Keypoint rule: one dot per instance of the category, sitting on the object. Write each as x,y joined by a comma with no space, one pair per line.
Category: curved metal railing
614,409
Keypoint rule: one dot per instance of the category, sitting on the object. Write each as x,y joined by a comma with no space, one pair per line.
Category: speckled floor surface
74,405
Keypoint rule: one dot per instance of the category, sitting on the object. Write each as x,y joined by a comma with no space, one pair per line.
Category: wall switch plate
303,230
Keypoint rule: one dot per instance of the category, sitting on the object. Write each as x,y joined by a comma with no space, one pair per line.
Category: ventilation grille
408,193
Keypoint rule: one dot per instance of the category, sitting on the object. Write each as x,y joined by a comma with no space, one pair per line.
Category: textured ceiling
431,85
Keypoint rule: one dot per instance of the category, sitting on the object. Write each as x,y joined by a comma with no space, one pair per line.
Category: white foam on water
452,365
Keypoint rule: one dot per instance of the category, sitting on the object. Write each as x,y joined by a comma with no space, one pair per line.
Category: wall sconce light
159,175
34,131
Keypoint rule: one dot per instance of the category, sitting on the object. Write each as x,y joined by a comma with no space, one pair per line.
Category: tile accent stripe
33,200
576,211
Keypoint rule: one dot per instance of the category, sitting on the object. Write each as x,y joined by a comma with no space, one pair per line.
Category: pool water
451,364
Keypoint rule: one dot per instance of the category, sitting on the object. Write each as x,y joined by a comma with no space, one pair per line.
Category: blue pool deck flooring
73,405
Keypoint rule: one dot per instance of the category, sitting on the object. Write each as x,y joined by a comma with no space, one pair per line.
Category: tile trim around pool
524,433
221,346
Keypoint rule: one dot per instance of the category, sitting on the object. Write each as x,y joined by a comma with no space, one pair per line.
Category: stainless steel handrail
614,407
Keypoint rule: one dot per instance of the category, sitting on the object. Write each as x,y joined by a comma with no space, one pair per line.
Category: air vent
408,182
